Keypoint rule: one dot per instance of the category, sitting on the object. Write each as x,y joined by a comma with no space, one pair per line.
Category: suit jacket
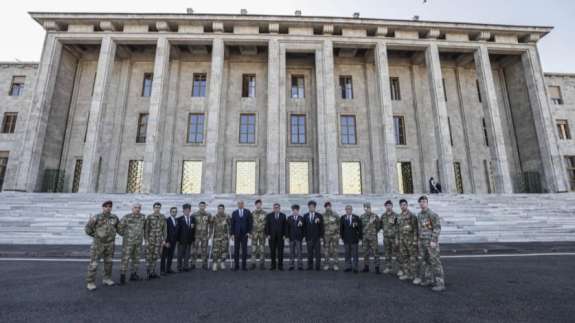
313,230
172,230
350,232
186,234
295,231
240,226
275,228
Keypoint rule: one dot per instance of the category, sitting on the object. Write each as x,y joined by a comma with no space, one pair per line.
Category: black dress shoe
272,268
355,271
290,268
281,268
235,269
348,270
318,269
135,277
163,273
300,268
169,271
122,279
365,269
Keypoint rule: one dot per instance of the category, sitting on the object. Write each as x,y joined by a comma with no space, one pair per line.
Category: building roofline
552,74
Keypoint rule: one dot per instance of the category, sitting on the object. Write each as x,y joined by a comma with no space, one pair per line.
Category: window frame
563,129
9,121
299,88
249,85
346,87
247,133
347,134
147,83
199,85
399,134
395,88
298,116
142,126
17,88
196,133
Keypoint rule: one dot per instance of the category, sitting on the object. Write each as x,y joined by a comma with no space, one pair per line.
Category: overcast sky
22,38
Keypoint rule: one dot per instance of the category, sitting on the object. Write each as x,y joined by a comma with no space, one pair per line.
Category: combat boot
253,266
135,277
335,268
91,286
153,275
108,282
365,269
122,279
326,267
222,265
439,285
417,281
262,266
215,267
148,275
387,271
377,271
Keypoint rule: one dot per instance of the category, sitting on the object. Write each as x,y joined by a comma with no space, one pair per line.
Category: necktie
188,220
241,213
277,216
349,217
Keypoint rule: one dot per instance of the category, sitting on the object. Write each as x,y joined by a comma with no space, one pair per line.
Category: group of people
410,244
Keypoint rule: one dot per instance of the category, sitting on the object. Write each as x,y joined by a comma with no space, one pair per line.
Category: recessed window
247,128
9,122
135,175
147,84
347,130
297,86
297,127
248,86
450,131
570,163
346,87
17,86
351,181
444,89
142,128
399,128
196,128
563,128
395,89
404,177
3,166
77,174
199,86
192,177
556,95
478,90
246,177
485,135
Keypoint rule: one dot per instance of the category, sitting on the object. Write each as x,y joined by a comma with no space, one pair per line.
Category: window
247,128
147,84
563,128
347,130
405,177
199,86
570,163
395,89
444,89
93,85
192,177
485,137
135,174
299,177
297,87
77,174
142,128
458,177
196,128
346,86
17,86
87,125
9,123
488,174
351,178
478,90
3,165
248,86
555,95
246,177
399,127
450,132
298,129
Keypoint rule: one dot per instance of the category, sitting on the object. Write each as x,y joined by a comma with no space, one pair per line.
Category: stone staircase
42,218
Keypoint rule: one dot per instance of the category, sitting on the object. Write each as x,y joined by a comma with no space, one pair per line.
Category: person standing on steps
314,233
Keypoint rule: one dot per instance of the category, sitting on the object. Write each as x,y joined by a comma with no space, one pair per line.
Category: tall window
135,174
484,126
17,86
395,89
347,129
299,177
247,128
555,95
199,86
458,177
478,90
444,89
3,165
351,181
142,128
9,122
192,177
147,84
297,86
346,87
298,129
246,177
450,132
249,86
563,128
488,174
399,127
405,177
570,162
77,174
196,128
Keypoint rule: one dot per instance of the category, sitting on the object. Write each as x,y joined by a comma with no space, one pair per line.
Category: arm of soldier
165,232
90,226
436,223
415,230
321,227
122,226
146,229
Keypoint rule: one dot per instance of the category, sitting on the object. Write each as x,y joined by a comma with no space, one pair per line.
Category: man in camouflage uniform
155,232
407,224
390,238
370,246
131,228
429,230
200,249
221,229
331,237
102,228
258,236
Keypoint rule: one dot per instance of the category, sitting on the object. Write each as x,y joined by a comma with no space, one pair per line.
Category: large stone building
255,104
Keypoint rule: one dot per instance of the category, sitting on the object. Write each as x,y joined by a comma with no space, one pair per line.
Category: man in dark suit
294,228
169,243
186,234
240,230
313,231
350,231
275,231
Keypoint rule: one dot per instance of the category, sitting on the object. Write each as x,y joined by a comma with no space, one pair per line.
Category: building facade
253,104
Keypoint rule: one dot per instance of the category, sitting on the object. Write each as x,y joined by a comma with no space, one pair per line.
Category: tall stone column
553,163
493,121
273,114
211,177
92,153
326,120
445,153
30,151
384,159
156,118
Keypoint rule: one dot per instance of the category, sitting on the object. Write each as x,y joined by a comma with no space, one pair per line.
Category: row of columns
382,142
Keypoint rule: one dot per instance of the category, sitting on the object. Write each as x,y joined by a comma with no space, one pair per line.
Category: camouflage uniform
429,230
200,248
370,246
155,233
102,228
389,223
331,238
407,225
221,229
131,228
258,237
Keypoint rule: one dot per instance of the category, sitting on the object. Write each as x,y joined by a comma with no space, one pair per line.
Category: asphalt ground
489,288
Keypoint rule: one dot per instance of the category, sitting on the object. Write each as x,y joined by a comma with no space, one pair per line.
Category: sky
22,38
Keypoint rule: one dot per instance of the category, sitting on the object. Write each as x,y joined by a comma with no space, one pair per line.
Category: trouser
131,254
277,251
167,257
295,253
100,250
390,249
258,249
219,250
200,251
431,269
152,254
351,251
408,257
330,246
184,254
240,242
313,251
370,248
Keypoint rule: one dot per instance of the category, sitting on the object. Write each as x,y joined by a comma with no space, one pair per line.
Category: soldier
155,232
102,228
331,237
429,230
390,238
131,228
258,236
221,230
407,225
371,225
202,236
